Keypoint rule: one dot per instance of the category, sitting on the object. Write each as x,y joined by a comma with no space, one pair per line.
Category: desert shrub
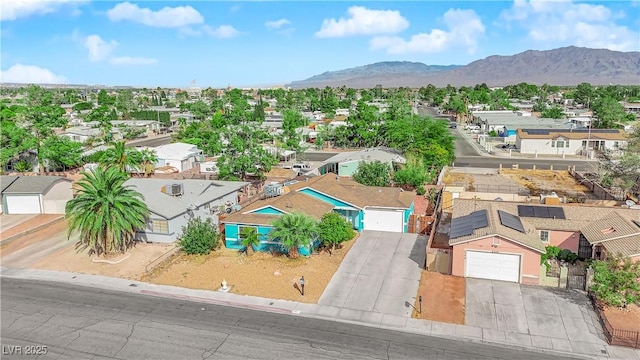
567,256
333,229
616,281
420,190
199,237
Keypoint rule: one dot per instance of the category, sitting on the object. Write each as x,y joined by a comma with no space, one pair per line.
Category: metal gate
576,277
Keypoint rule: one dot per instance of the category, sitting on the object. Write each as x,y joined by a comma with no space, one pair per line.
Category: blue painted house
365,207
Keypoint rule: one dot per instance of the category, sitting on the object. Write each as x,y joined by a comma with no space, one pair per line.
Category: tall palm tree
121,157
294,230
148,161
106,213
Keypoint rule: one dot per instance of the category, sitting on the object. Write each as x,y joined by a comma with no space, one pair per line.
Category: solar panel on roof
556,213
511,221
465,225
525,210
540,212
461,226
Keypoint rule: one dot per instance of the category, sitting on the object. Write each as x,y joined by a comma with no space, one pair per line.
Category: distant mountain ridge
564,66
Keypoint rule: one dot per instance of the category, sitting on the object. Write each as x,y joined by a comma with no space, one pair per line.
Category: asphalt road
85,323
463,146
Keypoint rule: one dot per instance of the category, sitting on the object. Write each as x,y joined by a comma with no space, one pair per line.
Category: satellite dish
228,210
630,203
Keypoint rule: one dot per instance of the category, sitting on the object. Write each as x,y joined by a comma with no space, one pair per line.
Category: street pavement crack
133,325
207,353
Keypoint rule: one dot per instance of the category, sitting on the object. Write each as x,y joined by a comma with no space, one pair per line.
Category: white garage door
493,266
23,204
383,220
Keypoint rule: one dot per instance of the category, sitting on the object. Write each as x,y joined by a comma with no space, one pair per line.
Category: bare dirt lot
443,298
258,274
128,266
545,181
624,319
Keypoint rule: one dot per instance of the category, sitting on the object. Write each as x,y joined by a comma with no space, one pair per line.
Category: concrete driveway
550,318
380,274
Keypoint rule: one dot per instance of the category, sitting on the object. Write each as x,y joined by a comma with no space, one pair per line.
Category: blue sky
262,43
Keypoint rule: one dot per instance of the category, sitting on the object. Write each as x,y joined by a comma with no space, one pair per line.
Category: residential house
82,133
172,203
181,156
568,142
365,207
35,194
342,112
504,240
346,163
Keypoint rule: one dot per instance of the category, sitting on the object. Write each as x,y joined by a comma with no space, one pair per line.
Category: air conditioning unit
175,189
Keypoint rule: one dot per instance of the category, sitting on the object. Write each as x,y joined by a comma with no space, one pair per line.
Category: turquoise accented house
366,208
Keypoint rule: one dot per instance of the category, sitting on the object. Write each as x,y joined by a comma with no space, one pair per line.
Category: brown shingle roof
614,226
289,202
464,207
359,195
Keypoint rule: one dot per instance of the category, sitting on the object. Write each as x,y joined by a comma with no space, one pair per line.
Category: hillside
564,66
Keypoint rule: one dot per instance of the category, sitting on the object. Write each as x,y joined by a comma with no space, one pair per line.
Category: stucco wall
543,146
492,196
348,168
55,199
530,263
232,241
565,239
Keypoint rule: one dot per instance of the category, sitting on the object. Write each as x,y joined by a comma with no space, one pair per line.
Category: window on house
566,144
544,235
560,143
553,143
206,206
616,144
584,143
160,226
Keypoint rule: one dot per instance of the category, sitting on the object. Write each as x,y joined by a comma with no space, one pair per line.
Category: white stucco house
172,203
569,142
181,156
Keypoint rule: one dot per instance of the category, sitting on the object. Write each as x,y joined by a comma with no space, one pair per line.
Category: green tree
294,230
333,229
616,281
373,173
106,212
609,113
23,166
148,160
412,174
555,112
249,239
199,237
60,152
104,98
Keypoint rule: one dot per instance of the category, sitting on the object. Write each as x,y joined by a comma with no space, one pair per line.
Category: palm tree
250,239
148,161
121,157
294,230
106,213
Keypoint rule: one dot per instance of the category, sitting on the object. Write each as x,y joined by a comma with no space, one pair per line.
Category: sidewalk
375,319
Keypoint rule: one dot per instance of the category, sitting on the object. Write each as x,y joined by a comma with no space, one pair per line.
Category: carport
381,273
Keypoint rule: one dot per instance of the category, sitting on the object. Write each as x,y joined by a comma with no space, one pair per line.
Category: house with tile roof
35,194
365,207
504,240
172,203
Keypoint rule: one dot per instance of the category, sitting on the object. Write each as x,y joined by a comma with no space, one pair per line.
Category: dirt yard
624,319
443,298
128,266
545,181
258,274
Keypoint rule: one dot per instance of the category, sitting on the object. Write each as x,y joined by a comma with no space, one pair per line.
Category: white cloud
99,50
167,17
562,23
464,27
363,21
128,60
222,31
15,9
277,24
30,74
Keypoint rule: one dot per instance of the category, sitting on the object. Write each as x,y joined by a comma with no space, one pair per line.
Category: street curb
12,238
284,307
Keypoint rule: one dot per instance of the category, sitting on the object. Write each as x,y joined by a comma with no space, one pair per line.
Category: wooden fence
597,189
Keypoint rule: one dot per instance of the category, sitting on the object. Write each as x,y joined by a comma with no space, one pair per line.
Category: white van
299,167
473,127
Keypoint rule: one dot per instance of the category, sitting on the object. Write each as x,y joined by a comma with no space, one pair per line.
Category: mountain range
563,66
